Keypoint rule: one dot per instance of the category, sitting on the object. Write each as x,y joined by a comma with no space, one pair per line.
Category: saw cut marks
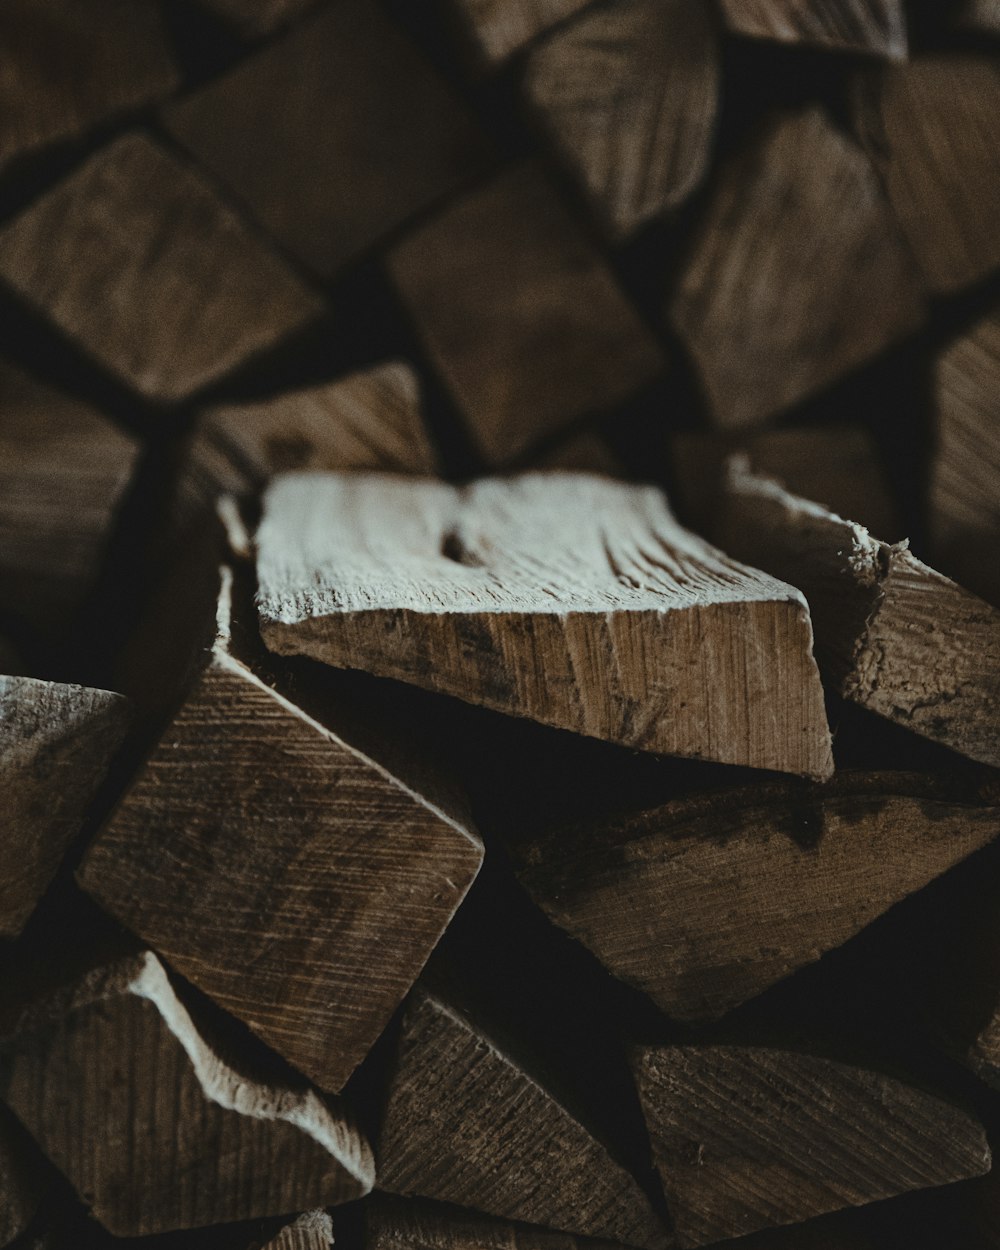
746,1138
136,259
573,600
796,275
874,26
628,96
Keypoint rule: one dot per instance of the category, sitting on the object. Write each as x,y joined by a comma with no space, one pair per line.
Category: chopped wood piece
796,275
747,1138
70,66
136,259
253,18
893,635
706,901
496,29
931,127
294,876
312,1231
156,1128
570,599
56,743
22,1180
628,95
63,472
875,26
534,331
464,1123
334,135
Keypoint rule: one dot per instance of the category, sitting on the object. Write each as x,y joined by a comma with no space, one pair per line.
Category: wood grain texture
333,135
154,1125
535,331
573,600
311,1231
495,30
137,260
705,901
23,1181
56,742
292,877
747,1137
796,275
68,67
64,470
892,634
627,95
463,1123
931,127
874,26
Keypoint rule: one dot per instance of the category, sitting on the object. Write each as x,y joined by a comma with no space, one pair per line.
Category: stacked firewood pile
498,600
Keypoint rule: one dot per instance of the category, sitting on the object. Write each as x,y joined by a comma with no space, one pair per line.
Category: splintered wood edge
312,1229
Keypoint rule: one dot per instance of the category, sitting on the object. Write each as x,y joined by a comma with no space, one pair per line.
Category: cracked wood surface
874,26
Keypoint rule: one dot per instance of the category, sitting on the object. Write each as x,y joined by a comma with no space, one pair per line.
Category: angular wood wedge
494,30
311,1231
569,599
874,26
894,636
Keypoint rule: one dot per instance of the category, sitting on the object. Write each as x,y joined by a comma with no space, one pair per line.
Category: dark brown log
874,26
23,1181
136,259
628,95
312,1231
535,331
573,600
796,275
495,30
334,135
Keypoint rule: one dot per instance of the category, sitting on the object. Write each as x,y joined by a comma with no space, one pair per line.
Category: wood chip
312,1231
874,26
496,29
573,600
796,275
136,259
23,1181
334,135
628,95
535,331
747,1137
893,635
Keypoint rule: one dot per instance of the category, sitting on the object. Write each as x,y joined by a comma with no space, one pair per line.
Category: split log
22,1180
572,600
296,877
535,331
893,635
628,95
874,26
930,126
494,30
704,902
69,67
56,743
334,135
796,275
311,1231
155,1126
64,470
749,1137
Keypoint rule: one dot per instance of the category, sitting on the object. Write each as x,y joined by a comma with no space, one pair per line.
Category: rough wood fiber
22,1180
535,331
463,1123
69,66
875,26
278,866
706,901
931,127
496,29
334,135
56,743
894,635
796,275
312,1231
157,1129
746,1137
63,472
628,95
569,599
137,260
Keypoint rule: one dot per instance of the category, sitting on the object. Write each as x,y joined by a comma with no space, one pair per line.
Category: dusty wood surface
706,901
311,1231
627,95
535,331
334,135
465,1124
23,1180
277,865
135,258
748,1137
875,26
895,636
796,275
573,600
931,127
56,743
64,470
495,30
